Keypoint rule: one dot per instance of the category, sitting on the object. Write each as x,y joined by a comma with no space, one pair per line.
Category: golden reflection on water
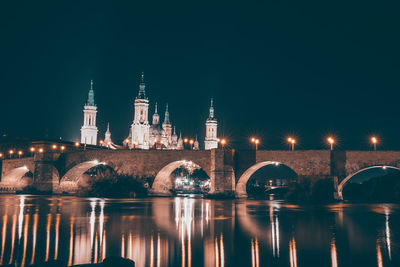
334,259
292,253
179,232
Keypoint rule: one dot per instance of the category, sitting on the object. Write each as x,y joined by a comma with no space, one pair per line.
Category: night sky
274,68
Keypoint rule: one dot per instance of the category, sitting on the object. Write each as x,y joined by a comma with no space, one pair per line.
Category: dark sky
274,68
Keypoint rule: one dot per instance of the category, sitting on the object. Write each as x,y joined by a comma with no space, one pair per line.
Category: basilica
142,133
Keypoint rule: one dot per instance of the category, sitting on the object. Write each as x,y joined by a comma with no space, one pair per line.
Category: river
197,232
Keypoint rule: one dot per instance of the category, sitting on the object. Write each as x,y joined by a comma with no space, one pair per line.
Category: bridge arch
163,182
244,178
71,179
345,180
14,179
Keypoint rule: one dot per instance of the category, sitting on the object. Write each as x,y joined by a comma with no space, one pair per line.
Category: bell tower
89,128
211,139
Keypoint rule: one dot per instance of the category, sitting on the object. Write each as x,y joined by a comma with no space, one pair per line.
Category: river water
197,232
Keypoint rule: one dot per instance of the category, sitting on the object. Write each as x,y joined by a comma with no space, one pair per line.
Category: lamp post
292,141
374,141
223,142
255,141
19,154
11,152
331,141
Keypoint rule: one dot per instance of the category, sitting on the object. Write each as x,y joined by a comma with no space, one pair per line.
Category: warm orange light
1,155
109,143
76,143
374,140
32,149
101,142
191,141
257,141
218,140
253,139
331,140
41,150
223,141
185,140
161,142
54,146
62,147
20,152
11,152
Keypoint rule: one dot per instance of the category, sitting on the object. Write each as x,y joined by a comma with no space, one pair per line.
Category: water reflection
195,232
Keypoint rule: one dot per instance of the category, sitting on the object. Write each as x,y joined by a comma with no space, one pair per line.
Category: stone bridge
229,170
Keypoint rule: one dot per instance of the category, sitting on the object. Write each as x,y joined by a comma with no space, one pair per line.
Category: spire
156,117
166,118
180,134
174,131
108,127
211,109
142,86
91,95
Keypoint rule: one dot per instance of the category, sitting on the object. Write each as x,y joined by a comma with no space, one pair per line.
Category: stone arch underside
242,182
163,183
70,181
345,180
13,180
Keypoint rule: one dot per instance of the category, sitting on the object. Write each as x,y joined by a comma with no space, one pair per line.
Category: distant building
142,134
89,129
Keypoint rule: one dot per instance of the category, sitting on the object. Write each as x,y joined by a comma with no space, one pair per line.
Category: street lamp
255,141
223,142
62,148
292,141
19,154
54,146
191,143
331,141
76,144
41,150
101,142
1,155
11,152
374,141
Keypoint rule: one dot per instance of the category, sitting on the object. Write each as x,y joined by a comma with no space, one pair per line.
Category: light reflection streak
216,253
158,250
292,253
21,216
92,222
101,222
25,240
14,228
123,246
34,238
103,255
48,225
57,236
334,253
71,241
3,237
96,249
387,233
255,257
379,255
151,251
274,231
221,243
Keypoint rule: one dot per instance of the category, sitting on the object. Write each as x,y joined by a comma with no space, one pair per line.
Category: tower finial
166,118
211,116
155,110
142,86
108,127
91,95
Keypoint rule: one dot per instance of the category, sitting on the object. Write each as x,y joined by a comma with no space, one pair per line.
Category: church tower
167,125
156,117
140,129
211,140
89,129
107,137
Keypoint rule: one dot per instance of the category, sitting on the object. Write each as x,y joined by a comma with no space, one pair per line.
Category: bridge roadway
229,170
